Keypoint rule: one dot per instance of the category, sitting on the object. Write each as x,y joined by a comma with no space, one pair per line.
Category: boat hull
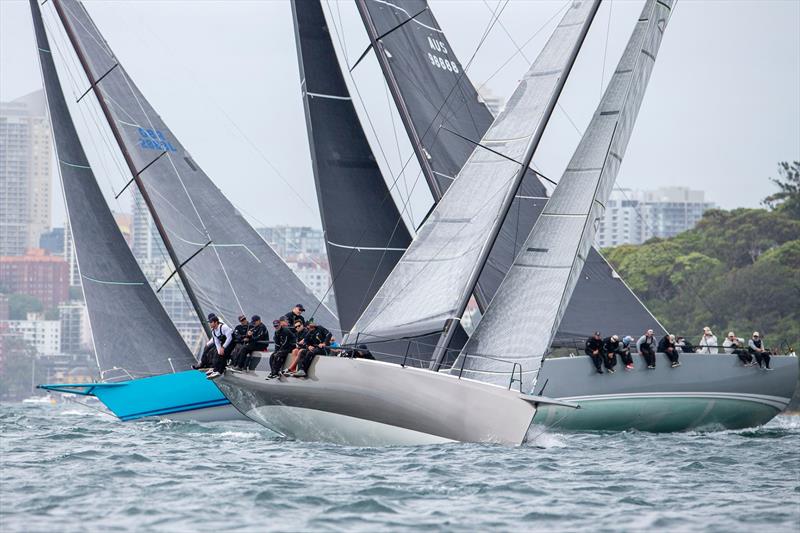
708,391
184,395
371,403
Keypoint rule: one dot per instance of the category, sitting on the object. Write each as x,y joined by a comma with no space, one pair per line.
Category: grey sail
441,109
226,266
430,284
365,235
544,274
130,329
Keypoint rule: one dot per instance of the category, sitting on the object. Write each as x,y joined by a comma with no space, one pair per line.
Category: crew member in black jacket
239,335
594,349
667,345
256,340
285,341
296,314
317,341
611,347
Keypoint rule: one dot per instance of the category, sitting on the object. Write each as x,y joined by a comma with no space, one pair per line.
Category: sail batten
238,273
432,282
130,329
543,277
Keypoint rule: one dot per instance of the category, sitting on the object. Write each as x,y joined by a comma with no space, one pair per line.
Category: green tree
19,305
787,199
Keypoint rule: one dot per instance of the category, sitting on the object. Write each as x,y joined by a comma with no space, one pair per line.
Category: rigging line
605,49
508,34
68,62
102,45
384,34
397,144
93,84
139,173
182,265
498,153
531,38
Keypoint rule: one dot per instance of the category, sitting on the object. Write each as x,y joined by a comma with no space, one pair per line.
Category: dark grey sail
441,109
365,235
223,261
130,329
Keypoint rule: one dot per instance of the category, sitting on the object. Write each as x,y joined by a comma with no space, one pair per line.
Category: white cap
755,334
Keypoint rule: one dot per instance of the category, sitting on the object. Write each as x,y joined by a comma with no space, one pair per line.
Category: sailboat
410,309
224,265
440,109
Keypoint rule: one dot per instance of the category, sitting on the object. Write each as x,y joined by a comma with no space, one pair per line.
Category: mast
397,96
131,165
449,329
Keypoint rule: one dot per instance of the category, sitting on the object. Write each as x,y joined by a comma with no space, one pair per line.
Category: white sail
432,279
540,282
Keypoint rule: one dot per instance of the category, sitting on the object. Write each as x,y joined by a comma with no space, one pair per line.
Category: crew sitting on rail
610,349
646,345
708,342
296,314
285,340
625,352
594,349
239,335
256,340
735,345
317,341
683,345
667,345
222,340
300,332
756,347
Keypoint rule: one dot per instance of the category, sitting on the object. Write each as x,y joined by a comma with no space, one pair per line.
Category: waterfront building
75,329
632,217
53,241
25,173
37,274
294,240
43,335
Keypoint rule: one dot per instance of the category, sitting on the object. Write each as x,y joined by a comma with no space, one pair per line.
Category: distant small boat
46,399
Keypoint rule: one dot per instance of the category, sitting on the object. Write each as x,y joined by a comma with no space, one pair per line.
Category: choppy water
65,468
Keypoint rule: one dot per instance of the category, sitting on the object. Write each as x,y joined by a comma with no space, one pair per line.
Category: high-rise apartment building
44,335
25,173
75,331
294,240
632,217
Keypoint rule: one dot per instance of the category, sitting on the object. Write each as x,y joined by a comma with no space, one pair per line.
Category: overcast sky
722,107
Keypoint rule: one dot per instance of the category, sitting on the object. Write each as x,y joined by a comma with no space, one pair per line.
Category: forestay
130,329
228,266
365,235
430,282
441,111
542,278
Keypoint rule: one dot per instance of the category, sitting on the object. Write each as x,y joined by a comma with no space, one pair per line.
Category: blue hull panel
154,396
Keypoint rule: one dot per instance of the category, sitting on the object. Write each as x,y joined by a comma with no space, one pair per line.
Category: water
67,468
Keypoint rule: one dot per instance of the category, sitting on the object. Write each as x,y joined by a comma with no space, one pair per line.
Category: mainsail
429,287
441,110
130,329
365,234
225,265
544,274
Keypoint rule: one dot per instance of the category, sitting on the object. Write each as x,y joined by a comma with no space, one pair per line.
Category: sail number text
437,60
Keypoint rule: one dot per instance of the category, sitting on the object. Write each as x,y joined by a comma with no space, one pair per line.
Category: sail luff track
544,275
130,329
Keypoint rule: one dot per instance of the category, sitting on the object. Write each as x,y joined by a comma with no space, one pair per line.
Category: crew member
594,349
209,351
300,332
222,337
625,352
646,345
708,342
610,349
239,335
296,314
285,340
733,344
667,345
256,340
756,347
318,340
684,345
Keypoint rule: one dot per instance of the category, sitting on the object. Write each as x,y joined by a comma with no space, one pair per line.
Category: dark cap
597,333
255,318
276,323
212,317
300,306
242,317
362,347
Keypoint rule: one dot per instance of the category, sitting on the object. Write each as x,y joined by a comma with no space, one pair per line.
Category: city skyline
689,141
